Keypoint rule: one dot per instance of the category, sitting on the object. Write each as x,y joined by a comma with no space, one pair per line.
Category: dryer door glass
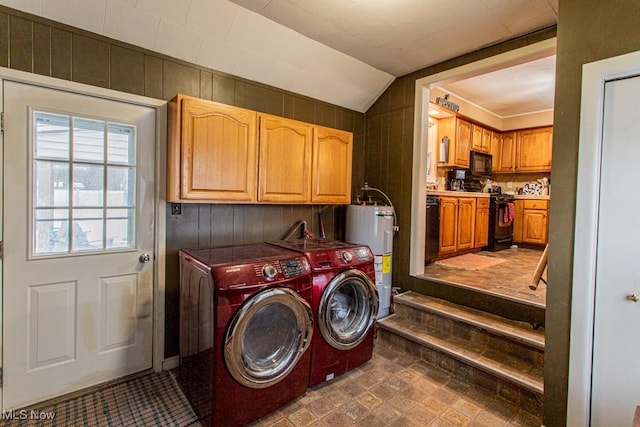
347,309
267,337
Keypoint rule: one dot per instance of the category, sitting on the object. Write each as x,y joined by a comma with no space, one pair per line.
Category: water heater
373,225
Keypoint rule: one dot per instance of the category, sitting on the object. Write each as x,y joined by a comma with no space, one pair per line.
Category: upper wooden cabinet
507,153
332,160
212,152
285,160
533,150
459,132
481,139
218,153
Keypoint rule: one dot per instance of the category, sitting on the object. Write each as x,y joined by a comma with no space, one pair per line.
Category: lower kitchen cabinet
531,223
457,224
448,224
482,223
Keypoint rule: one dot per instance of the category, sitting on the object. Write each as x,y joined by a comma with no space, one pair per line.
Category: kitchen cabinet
218,153
459,132
507,153
531,222
448,224
457,223
533,150
331,171
285,160
481,138
482,223
211,152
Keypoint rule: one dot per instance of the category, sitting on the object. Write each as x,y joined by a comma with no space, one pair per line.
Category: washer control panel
292,268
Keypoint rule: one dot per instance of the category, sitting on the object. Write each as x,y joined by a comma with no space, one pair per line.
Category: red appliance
345,305
245,327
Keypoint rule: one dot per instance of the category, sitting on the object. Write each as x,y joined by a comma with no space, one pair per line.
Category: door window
347,309
267,337
83,183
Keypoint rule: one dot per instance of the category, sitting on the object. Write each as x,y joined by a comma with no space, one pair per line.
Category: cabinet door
534,226
212,152
476,137
495,151
482,223
448,224
466,222
487,138
463,143
285,160
533,151
332,152
507,152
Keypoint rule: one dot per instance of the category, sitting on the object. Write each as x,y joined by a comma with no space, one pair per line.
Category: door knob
633,297
144,258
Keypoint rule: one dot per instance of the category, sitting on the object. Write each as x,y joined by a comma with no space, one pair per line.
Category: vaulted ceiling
345,52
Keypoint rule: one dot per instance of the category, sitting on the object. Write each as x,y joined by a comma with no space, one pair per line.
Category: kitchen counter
456,193
529,196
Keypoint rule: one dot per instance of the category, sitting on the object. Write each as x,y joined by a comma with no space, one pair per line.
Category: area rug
471,262
153,400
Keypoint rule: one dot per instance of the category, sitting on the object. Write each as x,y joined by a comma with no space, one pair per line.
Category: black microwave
480,164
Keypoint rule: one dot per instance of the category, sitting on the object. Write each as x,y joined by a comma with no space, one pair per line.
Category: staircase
502,356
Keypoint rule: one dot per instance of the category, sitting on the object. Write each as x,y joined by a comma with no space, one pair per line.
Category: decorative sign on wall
444,102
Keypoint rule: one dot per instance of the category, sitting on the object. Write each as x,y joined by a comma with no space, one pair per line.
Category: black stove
501,213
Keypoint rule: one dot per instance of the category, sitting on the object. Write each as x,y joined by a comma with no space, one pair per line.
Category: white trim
160,191
420,131
594,77
171,363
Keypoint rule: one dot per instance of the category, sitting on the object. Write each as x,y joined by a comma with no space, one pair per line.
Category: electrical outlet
176,208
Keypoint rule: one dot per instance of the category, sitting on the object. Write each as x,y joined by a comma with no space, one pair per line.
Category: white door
616,342
78,216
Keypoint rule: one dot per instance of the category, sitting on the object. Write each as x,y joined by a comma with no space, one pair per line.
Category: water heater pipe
366,187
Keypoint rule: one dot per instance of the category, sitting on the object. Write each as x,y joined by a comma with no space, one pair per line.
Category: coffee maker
455,179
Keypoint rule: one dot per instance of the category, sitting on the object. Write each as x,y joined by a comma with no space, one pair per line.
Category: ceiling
345,52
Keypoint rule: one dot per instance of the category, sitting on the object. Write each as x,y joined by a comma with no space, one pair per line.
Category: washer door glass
347,309
267,336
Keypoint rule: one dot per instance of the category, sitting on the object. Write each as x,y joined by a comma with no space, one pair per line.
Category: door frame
594,77
160,107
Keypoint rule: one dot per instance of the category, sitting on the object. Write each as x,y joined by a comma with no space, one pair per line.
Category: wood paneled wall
36,45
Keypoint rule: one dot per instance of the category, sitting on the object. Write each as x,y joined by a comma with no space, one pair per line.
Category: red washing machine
246,323
345,303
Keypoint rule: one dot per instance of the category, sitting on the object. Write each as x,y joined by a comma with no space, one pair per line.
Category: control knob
347,257
269,272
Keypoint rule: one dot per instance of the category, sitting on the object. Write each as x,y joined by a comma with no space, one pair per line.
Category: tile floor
508,280
395,389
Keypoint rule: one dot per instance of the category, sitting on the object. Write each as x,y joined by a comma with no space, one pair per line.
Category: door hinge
2,121
1,250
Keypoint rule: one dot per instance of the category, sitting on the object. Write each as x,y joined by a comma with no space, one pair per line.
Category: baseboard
170,363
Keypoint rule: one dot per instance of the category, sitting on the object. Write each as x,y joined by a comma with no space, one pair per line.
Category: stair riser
497,387
476,335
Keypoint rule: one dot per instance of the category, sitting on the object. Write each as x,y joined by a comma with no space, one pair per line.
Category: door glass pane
121,144
52,184
51,231
120,186
87,167
88,140
88,227
88,185
270,340
349,310
120,228
52,136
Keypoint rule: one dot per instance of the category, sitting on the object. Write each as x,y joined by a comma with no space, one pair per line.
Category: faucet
300,225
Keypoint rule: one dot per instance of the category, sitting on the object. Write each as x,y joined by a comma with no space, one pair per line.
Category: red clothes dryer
345,305
245,326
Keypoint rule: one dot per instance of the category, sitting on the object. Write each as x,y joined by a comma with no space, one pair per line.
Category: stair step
515,331
483,358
